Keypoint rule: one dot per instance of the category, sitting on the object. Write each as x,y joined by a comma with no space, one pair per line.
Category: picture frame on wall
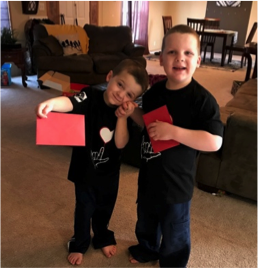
30,7
228,3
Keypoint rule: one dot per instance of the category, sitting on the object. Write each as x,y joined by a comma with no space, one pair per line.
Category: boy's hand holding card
160,114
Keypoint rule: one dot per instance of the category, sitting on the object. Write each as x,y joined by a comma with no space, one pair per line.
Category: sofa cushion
52,44
73,64
70,44
103,63
107,39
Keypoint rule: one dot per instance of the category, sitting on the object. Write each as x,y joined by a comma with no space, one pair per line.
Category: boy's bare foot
109,251
75,258
132,259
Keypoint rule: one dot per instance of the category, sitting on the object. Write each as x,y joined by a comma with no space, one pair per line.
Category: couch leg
207,188
40,85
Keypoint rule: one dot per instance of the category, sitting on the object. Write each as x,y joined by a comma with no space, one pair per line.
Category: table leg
223,50
249,66
24,78
223,54
255,68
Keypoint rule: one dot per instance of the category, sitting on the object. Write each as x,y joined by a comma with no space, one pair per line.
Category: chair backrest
211,23
167,23
252,33
196,24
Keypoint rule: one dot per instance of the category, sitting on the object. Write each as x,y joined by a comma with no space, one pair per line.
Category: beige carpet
38,201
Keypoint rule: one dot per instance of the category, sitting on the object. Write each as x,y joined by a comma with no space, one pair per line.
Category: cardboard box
236,85
6,78
61,82
56,80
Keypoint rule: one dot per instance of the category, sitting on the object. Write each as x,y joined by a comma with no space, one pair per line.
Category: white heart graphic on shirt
106,134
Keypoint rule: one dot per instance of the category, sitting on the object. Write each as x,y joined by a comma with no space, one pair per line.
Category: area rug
152,57
233,66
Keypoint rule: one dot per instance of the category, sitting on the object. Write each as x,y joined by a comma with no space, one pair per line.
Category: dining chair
209,40
236,48
198,25
213,23
167,23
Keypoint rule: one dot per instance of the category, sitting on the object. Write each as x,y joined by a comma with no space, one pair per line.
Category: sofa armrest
238,169
39,50
134,50
241,122
233,168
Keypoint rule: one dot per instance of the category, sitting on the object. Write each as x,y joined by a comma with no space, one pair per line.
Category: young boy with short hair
94,168
166,178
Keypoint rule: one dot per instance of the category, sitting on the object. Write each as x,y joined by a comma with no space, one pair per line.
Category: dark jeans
94,205
163,233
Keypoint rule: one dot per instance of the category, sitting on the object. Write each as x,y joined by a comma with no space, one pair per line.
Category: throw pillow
53,45
70,44
56,30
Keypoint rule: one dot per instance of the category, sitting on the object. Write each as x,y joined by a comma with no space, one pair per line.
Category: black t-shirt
99,161
168,176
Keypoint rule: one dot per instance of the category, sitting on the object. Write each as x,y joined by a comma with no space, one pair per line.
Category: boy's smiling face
121,88
180,58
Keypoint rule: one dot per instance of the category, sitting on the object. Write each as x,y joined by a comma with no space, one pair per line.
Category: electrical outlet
154,43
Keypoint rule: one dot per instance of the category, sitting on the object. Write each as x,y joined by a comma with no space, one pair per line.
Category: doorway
75,12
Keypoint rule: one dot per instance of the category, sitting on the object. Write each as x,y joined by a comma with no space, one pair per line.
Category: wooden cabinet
17,57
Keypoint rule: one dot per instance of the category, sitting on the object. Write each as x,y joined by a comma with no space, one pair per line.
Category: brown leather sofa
233,168
28,31
108,46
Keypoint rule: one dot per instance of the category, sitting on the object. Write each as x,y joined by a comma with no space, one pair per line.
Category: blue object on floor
6,78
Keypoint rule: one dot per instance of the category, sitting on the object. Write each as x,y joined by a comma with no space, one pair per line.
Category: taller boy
166,179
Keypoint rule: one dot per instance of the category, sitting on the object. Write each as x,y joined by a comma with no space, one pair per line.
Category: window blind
4,14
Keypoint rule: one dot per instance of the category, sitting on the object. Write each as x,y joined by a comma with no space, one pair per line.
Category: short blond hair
183,29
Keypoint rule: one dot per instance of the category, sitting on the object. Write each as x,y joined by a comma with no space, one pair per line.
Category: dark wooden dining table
250,48
223,34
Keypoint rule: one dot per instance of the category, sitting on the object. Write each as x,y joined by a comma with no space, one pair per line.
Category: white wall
110,13
18,19
179,10
253,18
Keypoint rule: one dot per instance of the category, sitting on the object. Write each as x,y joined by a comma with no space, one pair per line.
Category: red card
163,115
61,129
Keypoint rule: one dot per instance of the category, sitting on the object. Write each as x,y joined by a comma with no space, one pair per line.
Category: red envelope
163,115
61,129
74,89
